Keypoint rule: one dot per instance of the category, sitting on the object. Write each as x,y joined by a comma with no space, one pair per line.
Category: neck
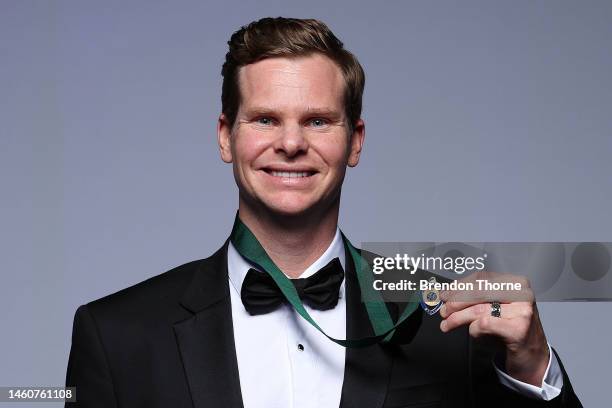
293,243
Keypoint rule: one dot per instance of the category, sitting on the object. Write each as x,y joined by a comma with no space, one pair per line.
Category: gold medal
430,298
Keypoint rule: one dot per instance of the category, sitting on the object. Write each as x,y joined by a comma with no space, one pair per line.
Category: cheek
246,148
334,154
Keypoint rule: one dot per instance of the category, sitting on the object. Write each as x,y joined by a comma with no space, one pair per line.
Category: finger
470,314
494,326
463,316
451,307
461,299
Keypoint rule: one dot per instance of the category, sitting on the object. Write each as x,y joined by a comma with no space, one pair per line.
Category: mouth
290,174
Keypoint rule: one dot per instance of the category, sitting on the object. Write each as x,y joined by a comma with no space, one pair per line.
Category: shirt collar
237,266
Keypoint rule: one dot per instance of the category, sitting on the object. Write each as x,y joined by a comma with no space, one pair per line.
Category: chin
291,208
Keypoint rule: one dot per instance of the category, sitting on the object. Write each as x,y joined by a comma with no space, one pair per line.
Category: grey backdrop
486,121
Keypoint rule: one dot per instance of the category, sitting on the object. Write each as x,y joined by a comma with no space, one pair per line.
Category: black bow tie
260,294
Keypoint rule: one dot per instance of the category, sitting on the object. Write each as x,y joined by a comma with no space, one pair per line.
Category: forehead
312,80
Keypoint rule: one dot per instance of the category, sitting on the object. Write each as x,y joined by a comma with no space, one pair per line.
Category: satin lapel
366,370
206,340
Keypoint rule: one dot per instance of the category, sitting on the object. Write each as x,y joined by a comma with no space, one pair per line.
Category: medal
430,299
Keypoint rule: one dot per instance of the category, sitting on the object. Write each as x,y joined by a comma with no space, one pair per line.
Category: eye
264,120
318,122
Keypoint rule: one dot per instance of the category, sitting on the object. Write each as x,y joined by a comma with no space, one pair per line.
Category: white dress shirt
284,362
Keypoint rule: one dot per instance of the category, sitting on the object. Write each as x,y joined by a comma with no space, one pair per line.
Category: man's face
290,144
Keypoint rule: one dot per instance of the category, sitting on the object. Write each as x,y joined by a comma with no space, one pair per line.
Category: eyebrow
322,111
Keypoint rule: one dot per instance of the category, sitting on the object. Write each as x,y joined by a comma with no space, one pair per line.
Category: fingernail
443,311
443,325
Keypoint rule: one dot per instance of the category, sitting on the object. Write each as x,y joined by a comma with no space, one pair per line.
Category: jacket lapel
207,348
206,339
366,370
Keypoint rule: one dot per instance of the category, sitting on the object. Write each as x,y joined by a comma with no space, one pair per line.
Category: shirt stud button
300,347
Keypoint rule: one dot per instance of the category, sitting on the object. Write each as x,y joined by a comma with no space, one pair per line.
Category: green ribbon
249,247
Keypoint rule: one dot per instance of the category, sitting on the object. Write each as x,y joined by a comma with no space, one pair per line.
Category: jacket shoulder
155,296
163,285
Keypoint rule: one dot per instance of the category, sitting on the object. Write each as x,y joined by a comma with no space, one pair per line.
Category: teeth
290,174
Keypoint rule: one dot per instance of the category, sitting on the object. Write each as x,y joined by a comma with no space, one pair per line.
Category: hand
518,328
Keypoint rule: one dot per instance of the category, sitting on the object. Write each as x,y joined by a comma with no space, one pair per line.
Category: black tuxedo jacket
169,342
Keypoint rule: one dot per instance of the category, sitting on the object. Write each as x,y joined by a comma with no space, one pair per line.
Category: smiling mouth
289,174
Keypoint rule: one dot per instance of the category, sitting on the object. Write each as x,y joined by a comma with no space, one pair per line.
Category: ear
224,138
356,143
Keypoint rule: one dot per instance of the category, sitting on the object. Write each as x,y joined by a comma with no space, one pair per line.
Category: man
219,333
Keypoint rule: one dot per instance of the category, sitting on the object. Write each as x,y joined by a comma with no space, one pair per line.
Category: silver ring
495,309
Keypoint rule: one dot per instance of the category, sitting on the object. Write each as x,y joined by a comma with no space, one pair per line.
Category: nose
291,141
